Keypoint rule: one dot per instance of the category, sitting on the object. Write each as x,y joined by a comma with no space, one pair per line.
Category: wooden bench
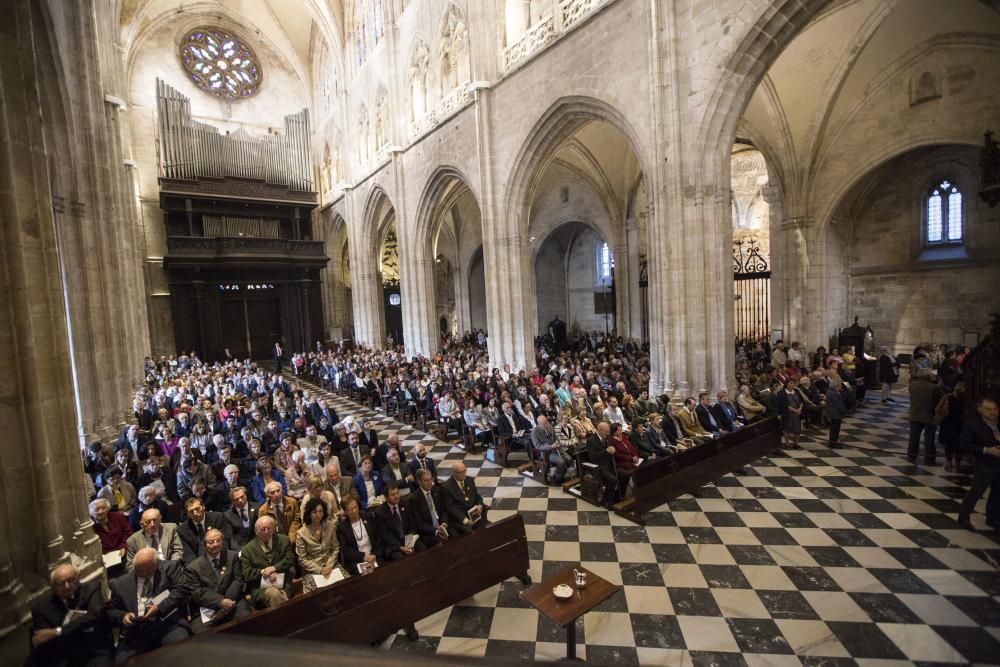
685,472
369,608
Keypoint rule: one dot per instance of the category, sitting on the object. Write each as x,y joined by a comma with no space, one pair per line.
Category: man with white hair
268,565
146,605
156,535
230,479
337,484
69,623
215,582
148,499
284,509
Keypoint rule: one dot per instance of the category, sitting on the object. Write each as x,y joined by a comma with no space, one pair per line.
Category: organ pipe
190,149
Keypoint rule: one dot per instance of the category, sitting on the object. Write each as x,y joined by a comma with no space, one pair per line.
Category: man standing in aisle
981,438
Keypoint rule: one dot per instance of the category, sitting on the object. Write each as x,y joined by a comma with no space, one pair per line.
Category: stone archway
448,229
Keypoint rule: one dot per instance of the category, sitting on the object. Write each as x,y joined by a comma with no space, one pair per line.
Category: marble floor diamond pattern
816,557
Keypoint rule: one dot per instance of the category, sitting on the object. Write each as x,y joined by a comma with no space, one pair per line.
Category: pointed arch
560,122
377,216
445,183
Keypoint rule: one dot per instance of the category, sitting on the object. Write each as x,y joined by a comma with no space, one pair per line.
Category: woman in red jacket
626,455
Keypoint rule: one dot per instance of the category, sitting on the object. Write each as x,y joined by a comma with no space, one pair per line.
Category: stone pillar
506,259
776,214
42,480
665,187
366,279
794,276
463,309
624,277
635,233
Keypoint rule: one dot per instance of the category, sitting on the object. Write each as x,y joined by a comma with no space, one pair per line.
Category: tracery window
605,264
369,28
220,63
944,219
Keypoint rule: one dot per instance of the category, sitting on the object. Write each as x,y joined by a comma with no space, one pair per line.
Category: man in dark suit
645,442
428,509
398,472
69,624
241,516
321,409
395,522
421,461
214,581
352,455
981,437
369,436
725,413
213,500
514,427
193,529
705,416
466,508
145,605
279,357
266,557
601,452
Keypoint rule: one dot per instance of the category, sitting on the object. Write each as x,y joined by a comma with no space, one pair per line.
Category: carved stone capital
77,209
771,194
801,222
58,205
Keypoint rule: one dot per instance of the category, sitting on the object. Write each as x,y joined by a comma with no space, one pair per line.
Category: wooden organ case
242,266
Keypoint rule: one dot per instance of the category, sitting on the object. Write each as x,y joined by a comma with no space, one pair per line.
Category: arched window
945,218
369,27
605,264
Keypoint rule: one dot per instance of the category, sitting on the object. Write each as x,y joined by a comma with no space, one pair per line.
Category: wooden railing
981,369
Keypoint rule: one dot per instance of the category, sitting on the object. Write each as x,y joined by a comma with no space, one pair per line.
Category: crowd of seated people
550,412
233,490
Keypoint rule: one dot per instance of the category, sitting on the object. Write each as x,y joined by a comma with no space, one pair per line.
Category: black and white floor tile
824,557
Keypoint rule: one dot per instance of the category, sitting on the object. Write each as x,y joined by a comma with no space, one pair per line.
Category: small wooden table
565,612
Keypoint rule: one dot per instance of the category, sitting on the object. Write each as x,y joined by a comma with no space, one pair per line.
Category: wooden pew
685,472
369,608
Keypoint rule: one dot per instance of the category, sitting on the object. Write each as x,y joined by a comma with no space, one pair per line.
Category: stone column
463,310
624,277
776,214
41,481
665,188
366,280
635,232
794,275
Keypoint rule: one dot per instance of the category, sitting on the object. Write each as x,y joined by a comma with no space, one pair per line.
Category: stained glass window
605,264
369,28
944,214
220,64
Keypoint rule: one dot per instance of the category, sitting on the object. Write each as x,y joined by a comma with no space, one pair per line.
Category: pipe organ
242,266
190,149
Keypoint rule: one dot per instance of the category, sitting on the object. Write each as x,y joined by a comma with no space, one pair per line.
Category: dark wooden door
264,323
393,313
234,327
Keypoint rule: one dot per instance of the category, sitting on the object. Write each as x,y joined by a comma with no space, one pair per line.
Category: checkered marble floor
817,557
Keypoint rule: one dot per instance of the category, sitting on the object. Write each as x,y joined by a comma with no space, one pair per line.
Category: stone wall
155,55
910,294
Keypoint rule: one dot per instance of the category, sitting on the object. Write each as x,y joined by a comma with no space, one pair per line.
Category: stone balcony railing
240,249
568,13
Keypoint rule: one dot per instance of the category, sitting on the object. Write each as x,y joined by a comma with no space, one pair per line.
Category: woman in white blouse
359,539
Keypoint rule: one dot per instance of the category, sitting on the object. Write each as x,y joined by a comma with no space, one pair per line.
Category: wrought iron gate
752,283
